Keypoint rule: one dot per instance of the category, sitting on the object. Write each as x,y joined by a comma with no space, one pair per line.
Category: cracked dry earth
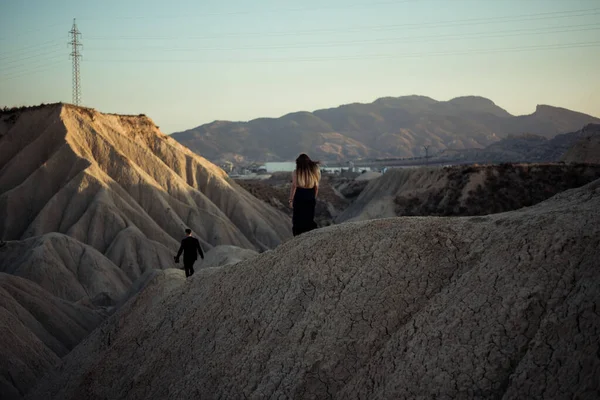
503,306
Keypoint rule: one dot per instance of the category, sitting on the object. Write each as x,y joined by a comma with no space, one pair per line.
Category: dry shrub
506,187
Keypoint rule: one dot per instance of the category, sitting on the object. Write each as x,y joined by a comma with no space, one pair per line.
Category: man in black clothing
190,247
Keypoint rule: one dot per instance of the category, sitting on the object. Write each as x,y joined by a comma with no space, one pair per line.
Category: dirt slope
65,268
225,255
90,205
502,306
93,176
465,190
586,150
37,329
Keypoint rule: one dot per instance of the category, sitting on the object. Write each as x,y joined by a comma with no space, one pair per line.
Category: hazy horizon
188,63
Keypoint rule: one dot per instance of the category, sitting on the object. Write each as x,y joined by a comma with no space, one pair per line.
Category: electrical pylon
75,56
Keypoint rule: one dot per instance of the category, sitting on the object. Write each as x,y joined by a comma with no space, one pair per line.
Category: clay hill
96,176
89,204
388,127
499,306
464,189
532,148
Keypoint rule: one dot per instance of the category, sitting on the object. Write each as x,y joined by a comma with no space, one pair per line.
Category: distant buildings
288,166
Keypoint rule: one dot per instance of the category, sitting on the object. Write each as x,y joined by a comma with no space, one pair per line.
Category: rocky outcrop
501,306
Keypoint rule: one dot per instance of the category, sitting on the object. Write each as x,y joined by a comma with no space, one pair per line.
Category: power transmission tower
75,56
426,153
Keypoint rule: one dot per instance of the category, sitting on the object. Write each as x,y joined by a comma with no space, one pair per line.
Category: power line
37,63
410,39
422,25
47,53
367,57
267,11
75,56
27,33
419,39
208,14
33,71
27,49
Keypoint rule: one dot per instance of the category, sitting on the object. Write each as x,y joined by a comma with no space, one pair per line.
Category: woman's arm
292,189
316,190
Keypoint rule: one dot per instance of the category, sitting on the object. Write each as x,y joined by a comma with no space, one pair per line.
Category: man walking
190,247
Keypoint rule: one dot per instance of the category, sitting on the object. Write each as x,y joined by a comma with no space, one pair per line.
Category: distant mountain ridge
532,148
387,127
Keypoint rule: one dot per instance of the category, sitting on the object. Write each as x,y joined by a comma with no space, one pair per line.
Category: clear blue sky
185,63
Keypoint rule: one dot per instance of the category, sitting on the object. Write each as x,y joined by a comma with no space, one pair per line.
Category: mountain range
92,305
387,127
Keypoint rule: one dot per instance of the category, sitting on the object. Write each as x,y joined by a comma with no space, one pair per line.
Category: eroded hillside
501,306
587,148
90,205
97,176
465,189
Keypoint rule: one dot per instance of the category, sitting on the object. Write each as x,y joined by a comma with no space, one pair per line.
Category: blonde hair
307,172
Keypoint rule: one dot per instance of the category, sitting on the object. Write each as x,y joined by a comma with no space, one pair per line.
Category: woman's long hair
308,173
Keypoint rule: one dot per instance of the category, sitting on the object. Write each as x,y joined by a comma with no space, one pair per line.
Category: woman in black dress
303,195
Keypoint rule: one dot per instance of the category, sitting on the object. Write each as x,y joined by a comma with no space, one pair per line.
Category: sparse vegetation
272,195
275,191
504,187
351,188
18,109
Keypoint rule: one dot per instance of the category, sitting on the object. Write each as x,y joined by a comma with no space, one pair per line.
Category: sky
186,63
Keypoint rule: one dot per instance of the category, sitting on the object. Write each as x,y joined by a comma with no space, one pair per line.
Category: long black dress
303,217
